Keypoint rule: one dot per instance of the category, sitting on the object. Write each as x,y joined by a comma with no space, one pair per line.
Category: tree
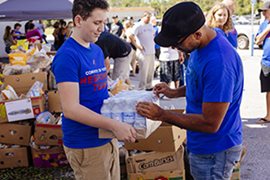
243,6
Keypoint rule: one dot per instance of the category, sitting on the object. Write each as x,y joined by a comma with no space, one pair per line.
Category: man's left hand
149,110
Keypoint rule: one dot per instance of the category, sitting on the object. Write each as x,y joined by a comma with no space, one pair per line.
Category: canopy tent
22,10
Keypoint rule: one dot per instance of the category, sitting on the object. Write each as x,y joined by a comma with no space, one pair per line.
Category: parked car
245,35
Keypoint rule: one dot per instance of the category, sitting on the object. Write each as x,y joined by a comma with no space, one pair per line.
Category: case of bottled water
122,107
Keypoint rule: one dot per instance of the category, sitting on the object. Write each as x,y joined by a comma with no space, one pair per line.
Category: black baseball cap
266,6
179,21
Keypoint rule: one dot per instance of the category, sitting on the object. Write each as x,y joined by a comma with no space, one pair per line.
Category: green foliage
243,6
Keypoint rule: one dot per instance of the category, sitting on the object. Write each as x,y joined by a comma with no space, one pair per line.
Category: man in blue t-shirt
82,83
213,92
263,38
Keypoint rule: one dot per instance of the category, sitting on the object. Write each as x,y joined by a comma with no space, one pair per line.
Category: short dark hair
31,26
84,8
16,25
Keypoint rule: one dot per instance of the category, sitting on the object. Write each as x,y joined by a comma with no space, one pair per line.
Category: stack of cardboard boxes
47,150
50,137
17,124
165,159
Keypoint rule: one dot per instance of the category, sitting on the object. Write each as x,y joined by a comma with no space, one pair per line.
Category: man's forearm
179,92
193,122
88,117
260,37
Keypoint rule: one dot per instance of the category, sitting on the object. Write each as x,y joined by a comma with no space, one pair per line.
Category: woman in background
219,18
8,39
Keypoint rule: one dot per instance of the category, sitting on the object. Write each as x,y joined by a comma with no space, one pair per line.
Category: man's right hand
124,132
162,88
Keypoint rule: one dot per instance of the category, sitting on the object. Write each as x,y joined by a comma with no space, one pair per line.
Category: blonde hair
211,22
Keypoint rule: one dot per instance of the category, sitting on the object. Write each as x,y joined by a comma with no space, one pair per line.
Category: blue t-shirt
85,66
266,44
215,74
156,33
231,36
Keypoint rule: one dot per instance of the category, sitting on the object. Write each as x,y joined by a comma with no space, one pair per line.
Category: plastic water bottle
116,109
140,121
106,108
129,113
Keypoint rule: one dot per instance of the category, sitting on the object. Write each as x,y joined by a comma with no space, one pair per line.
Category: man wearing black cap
213,93
263,38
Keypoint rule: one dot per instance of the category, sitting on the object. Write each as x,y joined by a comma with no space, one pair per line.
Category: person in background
8,39
142,38
183,59
16,33
116,26
232,35
108,25
33,33
263,37
126,35
81,79
56,43
120,51
40,26
220,19
169,66
69,29
26,26
153,21
213,93
62,34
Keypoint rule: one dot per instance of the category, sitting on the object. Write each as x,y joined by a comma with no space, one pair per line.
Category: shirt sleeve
65,67
261,28
219,82
135,29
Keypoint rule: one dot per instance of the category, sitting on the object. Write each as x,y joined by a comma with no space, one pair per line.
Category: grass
55,173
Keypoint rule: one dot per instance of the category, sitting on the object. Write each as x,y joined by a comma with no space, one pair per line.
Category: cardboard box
45,158
119,86
19,110
236,172
15,134
164,139
51,53
13,157
159,175
54,102
151,126
8,109
23,82
156,161
48,134
38,104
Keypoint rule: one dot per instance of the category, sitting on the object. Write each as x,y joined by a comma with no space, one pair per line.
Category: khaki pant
147,68
121,67
100,163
